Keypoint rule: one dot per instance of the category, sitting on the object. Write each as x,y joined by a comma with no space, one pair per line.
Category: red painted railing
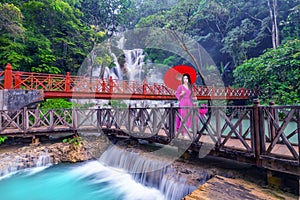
67,86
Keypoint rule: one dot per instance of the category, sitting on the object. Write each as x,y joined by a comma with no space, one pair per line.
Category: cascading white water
43,159
134,62
160,179
148,171
14,162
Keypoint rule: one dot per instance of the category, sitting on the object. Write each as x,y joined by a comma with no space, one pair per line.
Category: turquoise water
85,181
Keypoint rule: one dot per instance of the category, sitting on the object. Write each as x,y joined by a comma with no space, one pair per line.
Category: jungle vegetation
254,43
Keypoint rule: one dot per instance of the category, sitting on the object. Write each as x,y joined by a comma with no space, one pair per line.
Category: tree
291,25
59,23
105,15
276,73
10,19
273,10
11,30
239,40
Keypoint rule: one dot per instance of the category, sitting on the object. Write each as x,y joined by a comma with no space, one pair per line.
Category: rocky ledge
37,155
223,188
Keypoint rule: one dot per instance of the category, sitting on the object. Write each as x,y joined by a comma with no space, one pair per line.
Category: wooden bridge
267,136
67,86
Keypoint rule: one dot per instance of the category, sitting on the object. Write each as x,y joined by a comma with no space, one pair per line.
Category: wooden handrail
67,85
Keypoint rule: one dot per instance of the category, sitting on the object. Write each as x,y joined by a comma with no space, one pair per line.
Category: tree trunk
273,9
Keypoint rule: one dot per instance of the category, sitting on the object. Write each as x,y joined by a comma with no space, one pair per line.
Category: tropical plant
76,141
2,139
275,73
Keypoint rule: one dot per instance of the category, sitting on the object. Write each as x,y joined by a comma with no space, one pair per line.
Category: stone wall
11,99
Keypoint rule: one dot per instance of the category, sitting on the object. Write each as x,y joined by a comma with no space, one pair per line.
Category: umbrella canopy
173,76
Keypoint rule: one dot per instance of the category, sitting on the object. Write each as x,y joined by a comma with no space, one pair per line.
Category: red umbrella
173,76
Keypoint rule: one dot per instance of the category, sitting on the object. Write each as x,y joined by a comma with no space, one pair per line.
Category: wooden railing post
18,80
272,128
111,85
154,123
103,86
129,120
243,91
8,80
213,91
257,134
172,122
144,87
25,120
134,88
218,127
68,82
74,119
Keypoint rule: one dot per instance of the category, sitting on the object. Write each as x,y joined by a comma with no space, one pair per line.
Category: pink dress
185,100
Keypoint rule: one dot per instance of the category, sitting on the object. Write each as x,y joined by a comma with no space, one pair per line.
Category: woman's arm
178,93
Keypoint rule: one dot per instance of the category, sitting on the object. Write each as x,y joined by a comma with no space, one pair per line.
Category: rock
223,188
24,157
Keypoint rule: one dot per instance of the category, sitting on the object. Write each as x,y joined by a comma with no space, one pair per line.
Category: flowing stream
115,175
90,180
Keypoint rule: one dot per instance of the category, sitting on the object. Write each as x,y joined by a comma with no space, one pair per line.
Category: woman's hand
182,93
194,98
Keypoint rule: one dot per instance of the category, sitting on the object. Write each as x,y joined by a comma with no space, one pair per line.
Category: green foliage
105,15
291,25
53,38
2,139
76,140
10,19
166,58
116,104
231,31
84,106
239,40
55,103
59,106
276,73
12,52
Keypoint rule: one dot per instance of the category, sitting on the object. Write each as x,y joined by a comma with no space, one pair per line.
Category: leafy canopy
276,73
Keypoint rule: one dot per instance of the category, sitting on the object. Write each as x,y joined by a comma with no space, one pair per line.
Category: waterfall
148,171
13,163
134,62
43,159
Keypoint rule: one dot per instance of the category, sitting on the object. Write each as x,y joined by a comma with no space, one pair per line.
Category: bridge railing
262,132
258,132
280,132
67,84
2,80
237,93
233,128
33,121
38,121
140,122
222,128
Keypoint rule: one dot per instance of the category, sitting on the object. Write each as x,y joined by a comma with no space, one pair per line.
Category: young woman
184,94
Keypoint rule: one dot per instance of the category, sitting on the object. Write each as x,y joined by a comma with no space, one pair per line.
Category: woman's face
185,79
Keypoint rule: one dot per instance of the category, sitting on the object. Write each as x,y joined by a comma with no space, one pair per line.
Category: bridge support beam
283,181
